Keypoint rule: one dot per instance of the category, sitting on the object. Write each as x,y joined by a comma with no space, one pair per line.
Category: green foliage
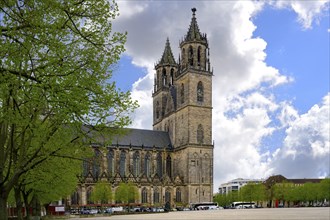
227,199
253,192
324,189
102,193
55,63
285,191
127,192
222,200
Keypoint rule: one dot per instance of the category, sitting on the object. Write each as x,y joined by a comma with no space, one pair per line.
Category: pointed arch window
178,195
164,77
182,93
122,164
200,92
167,196
172,76
199,56
86,167
191,56
75,198
157,110
96,164
147,165
183,56
156,195
110,162
136,164
144,195
159,164
169,166
200,134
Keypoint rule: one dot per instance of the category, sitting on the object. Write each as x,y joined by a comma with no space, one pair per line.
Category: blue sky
291,49
270,84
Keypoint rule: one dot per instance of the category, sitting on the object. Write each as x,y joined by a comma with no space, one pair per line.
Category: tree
281,190
324,190
55,179
102,192
126,193
247,192
222,200
55,62
253,192
260,193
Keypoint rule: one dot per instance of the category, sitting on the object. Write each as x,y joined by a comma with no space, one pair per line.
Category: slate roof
129,137
147,138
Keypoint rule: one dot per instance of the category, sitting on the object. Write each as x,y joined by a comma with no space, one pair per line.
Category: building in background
236,184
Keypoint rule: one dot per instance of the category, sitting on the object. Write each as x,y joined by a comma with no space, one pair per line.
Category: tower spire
167,57
193,32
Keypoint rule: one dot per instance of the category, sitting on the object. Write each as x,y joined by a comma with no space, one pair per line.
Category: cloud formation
307,11
245,110
306,143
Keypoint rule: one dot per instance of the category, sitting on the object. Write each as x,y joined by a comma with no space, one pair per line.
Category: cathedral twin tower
172,165
182,106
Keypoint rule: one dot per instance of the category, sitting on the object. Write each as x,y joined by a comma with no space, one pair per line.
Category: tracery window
86,165
136,164
75,198
167,196
144,195
183,56
200,134
96,164
191,56
122,164
169,166
199,56
200,92
147,165
182,93
157,109
164,77
110,162
178,195
172,76
156,195
159,164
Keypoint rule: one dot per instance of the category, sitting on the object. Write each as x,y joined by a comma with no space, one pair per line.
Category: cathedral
173,163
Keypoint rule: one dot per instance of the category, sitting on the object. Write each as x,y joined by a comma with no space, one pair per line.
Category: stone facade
173,163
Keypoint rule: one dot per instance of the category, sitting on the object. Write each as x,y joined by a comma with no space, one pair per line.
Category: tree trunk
36,209
3,208
27,204
19,204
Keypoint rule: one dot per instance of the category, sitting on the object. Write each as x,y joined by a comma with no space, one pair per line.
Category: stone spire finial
193,10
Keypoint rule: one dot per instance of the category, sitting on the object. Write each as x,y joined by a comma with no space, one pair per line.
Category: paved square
231,214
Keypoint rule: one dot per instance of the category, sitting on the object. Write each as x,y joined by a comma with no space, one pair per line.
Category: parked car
88,211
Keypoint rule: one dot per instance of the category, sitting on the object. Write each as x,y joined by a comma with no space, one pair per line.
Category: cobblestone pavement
230,214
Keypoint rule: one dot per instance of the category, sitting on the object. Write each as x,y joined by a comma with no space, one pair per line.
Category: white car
93,211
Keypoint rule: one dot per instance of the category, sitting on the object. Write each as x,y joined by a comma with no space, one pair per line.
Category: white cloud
242,113
307,11
288,114
307,144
